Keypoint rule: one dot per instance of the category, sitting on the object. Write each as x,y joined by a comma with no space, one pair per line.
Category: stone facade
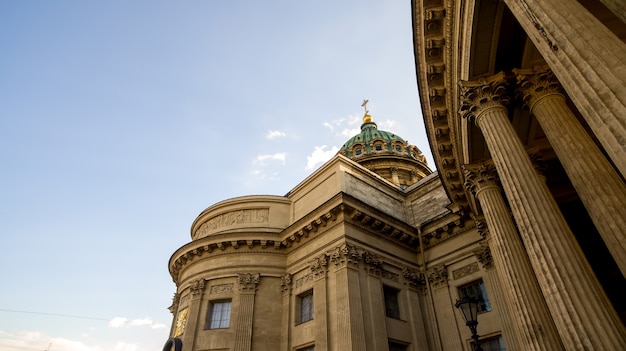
525,109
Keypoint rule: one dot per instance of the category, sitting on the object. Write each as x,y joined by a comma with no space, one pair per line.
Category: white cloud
124,346
272,134
33,340
320,155
279,156
122,322
347,127
386,124
118,322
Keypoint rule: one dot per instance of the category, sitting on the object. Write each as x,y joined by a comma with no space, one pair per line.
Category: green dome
373,141
386,154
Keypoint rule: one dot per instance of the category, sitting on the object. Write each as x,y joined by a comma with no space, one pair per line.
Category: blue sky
120,121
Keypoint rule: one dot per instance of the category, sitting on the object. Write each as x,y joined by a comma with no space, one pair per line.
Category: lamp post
469,309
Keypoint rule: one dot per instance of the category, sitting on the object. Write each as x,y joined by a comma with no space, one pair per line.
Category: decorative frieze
221,289
304,280
248,281
465,271
245,216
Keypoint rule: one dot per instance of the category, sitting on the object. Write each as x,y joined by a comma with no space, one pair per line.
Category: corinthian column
600,188
581,311
529,314
588,59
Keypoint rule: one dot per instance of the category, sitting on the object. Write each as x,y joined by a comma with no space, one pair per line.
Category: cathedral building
524,102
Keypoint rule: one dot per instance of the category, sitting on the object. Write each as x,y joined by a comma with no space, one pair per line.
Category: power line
55,315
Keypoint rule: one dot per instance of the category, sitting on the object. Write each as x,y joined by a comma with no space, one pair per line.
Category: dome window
357,151
378,147
398,148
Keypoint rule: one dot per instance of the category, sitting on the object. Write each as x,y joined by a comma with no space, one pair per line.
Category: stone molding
248,282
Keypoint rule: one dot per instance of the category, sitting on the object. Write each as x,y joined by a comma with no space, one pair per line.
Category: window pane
392,309
220,315
306,307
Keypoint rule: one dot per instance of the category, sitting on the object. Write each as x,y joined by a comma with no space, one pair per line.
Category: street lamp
469,309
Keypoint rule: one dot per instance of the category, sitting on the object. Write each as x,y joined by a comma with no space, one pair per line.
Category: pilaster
193,316
319,268
600,188
351,331
247,290
285,289
438,278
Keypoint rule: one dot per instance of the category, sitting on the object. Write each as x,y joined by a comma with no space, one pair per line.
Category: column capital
438,275
535,84
482,95
344,255
285,283
197,288
480,177
319,266
248,281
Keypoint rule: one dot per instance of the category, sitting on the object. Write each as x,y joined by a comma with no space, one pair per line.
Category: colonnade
548,282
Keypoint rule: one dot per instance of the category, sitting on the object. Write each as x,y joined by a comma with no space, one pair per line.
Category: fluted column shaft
600,188
589,61
243,332
570,288
530,315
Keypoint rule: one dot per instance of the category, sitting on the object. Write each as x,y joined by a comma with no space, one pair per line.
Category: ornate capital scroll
480,177
319,266
345,254
535,84
248,281
413,278
285,283
174,306
481,225
197,288
480,96
373,264
437,275
483,254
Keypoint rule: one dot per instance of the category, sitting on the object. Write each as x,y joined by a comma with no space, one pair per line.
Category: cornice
434,38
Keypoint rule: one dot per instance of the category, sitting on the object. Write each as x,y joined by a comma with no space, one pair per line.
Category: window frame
391,302
303,314
223,322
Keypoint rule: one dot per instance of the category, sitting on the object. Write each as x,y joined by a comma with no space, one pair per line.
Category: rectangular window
219,315
392,309
477,290
305,306
394,346
492,344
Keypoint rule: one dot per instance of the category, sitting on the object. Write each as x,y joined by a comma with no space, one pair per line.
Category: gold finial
366,117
